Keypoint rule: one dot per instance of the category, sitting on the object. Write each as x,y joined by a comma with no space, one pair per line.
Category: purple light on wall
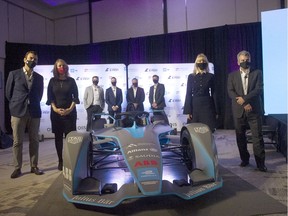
61,2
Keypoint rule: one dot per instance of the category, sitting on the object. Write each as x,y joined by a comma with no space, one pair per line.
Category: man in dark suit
94,101
24,90
114,99
157,100
135,97
245,87
156,94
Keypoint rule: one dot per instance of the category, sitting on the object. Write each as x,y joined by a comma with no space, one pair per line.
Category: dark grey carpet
236,197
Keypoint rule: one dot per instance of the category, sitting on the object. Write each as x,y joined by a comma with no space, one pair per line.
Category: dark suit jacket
139,99
253,97
159,96
18,94
111,100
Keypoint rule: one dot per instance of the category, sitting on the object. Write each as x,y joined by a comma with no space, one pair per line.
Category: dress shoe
262,168
244,163
60,166
36,170
16,173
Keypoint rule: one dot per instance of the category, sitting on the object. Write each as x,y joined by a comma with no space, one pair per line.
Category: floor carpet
236,197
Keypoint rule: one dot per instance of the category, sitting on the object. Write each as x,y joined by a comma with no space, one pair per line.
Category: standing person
62,95
245,87
135,96
24,91
200,102
157,100
156,94
94,101
114,99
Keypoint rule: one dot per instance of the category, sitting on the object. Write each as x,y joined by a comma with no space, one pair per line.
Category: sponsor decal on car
145,163
75,140
148,174
201,130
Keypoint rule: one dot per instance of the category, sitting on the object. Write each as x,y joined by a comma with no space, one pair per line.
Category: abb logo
146,163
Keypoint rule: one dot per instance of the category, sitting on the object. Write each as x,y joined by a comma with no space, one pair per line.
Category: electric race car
138,157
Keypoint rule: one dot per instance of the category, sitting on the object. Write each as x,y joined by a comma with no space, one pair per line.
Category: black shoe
16,173
262,168
60,166
244,163
36,170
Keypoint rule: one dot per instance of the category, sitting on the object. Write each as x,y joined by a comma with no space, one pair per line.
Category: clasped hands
241,101
115,108
154,105
61,111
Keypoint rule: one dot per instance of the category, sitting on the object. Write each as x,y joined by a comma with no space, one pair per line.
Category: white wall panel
16,25
246,11
83,35
49,31
3,28
126,18
34,28
65,31
176,15
210,13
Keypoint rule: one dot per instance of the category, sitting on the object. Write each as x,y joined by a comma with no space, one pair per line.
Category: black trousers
255,123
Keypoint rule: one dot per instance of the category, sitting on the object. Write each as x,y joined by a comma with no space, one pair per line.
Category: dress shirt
96,95
244,77
114,90
29,80
134,91
154,93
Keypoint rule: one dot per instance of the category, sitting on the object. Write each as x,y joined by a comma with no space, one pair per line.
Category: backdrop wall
220,44
174,77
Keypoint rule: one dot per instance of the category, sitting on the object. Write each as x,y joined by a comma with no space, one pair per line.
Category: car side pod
75,163
200,153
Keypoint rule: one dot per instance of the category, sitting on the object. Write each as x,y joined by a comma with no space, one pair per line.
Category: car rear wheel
188,150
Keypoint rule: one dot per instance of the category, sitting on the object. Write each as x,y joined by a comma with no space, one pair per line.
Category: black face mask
135,84
245,65
113,83
155,81
202,66
95,83
31,64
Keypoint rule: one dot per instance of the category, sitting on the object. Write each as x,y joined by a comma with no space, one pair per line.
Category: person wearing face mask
245,87
157,100
94,101
135,97
114,99
200,101
24,90
62,95
156,94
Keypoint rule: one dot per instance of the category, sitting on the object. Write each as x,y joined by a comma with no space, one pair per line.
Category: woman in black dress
200,102
62,95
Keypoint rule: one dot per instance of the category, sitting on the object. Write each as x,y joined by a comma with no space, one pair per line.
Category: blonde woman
200,102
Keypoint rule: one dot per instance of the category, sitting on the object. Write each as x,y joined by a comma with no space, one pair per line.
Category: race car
139,155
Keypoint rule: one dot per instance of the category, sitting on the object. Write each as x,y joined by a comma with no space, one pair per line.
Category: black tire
188,150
